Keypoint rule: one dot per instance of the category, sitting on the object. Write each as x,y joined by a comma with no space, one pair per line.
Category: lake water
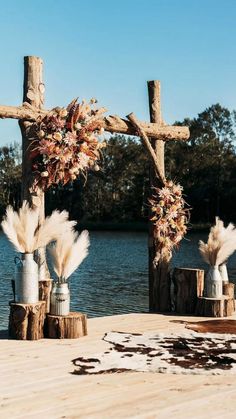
114,277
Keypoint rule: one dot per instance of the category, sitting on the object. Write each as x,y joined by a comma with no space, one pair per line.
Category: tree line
205,166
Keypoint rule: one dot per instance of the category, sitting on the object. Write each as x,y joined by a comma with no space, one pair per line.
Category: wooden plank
43,367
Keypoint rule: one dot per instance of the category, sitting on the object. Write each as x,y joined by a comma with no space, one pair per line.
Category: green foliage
10,176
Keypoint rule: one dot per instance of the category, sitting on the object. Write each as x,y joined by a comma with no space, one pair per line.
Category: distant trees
10,176
205,166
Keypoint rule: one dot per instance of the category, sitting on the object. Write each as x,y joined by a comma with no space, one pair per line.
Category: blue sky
108,49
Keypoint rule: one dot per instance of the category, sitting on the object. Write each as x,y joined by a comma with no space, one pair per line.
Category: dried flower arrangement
169,217
220,245
68,253
23,230
170,214
66,143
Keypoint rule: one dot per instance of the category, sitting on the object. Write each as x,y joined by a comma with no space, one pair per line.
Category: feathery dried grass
69,252
24,232
220,245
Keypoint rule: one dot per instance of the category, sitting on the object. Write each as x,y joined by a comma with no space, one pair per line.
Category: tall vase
60,299
213,283
26,279
224,272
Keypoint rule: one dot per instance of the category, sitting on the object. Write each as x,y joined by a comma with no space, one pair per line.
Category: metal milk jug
26,279
60,299
214,285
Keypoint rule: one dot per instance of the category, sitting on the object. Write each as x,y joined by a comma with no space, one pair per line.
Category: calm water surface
114,277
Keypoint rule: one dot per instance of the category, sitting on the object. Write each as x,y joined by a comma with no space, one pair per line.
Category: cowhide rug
186,353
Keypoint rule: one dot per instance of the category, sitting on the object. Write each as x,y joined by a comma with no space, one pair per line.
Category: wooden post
33,94
159,278
188,285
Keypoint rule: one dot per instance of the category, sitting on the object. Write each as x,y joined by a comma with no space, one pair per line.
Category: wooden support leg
26,321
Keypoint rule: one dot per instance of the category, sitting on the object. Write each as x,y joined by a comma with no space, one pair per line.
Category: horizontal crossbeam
113,124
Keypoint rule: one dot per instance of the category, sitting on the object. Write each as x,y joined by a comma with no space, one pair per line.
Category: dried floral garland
65,144
169,217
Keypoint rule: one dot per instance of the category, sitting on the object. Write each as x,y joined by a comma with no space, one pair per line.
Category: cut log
72,326
213,307
228,289
45,292
26,321
188,285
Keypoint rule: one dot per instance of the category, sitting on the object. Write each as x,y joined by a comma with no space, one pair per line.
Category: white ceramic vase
214,288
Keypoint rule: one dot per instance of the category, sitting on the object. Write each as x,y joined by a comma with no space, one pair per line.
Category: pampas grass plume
24,232
69,252
220,245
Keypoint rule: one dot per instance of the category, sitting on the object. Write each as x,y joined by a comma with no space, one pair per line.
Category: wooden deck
36,381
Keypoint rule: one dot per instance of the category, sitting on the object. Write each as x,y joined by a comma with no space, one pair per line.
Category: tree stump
214,307
45,292
72,326
188,286
26,321
228,289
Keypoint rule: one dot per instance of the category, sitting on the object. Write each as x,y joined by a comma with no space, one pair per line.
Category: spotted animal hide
189,353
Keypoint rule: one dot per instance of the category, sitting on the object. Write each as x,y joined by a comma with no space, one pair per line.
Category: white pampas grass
220,245
69,252
24,232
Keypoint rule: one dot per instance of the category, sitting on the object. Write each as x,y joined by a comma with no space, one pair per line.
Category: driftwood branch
132,118
110,123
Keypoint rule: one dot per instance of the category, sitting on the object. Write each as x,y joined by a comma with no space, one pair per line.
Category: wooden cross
32,108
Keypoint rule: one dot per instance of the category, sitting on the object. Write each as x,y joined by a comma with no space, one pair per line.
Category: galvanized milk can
26,279
60,299
214,285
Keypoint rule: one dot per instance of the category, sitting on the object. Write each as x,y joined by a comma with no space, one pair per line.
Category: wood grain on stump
188,285
26,321
228,289
213,307
72,326
44,292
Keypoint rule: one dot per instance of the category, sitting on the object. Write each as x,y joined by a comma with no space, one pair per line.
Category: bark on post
215,307
159,277
72,326
33,94
188,285
26,321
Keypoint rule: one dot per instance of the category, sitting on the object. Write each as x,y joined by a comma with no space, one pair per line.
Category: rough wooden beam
21,112
159,275
33,98
110,123
148,145
165,132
